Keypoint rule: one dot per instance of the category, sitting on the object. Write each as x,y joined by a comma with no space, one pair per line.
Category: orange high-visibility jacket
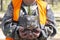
41,7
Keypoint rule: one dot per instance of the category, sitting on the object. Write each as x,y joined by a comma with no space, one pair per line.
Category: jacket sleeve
50,16
8,16
51,20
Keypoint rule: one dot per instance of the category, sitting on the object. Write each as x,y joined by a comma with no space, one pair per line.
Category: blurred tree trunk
52,2
1,5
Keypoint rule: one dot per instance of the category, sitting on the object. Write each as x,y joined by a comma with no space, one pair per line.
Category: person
12,23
